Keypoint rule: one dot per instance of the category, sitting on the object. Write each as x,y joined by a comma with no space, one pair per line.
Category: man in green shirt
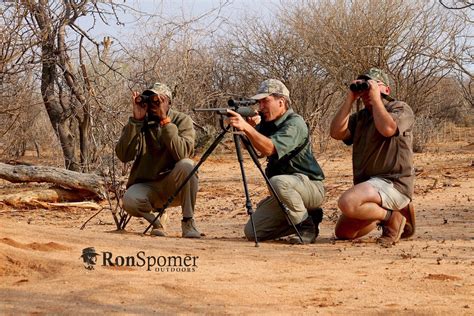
382,157
160,142
283,137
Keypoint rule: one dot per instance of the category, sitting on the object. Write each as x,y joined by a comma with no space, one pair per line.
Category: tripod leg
284,208
248,203
191,174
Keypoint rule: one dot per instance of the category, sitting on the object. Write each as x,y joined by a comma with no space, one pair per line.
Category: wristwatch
165,121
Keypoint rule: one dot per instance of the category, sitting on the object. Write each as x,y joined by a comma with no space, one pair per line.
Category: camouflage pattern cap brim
376,74
160,88
271,86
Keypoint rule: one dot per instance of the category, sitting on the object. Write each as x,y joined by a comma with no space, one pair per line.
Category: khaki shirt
375,155
287,134
154,149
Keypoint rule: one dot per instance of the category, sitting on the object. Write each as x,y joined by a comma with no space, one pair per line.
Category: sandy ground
41,269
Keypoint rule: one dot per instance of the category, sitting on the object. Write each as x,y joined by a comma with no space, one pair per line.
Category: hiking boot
159,225
307,231
317,217
392,229
409,213
189,229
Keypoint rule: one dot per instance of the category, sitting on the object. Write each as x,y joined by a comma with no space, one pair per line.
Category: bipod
253,154
237,136
191,174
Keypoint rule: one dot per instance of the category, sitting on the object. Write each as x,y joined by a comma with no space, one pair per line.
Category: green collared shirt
287,134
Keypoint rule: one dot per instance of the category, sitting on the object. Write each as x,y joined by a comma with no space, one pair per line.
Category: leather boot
317,217
189,229
392,229
307,231
159,225
409,213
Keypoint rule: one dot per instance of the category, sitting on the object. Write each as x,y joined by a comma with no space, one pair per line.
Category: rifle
240,106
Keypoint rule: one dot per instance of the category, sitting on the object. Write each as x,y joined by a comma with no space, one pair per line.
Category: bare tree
409,39
256,50
42,40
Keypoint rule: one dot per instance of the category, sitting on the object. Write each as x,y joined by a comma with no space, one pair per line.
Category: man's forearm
340,122
261,143
383,121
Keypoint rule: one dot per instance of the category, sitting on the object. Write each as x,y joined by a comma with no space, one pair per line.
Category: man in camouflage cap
382,158
283,137
160,142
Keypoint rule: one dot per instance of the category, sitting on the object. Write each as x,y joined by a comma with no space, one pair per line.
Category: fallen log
40,197
58,176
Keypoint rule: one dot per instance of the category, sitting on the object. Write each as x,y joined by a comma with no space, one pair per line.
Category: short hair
286,98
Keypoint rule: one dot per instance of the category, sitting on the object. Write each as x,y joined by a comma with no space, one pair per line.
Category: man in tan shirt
160,142
381,135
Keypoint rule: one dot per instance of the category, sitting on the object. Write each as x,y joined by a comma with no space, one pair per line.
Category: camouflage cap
376,74
269,87
161,88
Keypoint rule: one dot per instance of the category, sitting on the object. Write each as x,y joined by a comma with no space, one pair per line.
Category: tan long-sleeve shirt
154,149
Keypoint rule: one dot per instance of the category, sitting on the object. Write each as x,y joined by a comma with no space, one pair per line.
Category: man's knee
347,205
248,231
280,184
185,166
133,203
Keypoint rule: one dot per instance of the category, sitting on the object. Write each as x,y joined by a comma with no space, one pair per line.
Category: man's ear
282,101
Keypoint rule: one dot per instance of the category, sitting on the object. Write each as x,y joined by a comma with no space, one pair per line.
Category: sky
175,10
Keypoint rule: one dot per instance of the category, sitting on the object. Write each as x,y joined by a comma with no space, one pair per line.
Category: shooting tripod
238,138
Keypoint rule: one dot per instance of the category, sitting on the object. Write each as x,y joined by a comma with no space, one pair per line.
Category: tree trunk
60,113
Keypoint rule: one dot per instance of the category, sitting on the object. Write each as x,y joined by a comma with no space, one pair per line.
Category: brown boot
392,229
409,213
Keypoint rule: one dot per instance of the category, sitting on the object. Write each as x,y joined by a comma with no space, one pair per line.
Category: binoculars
359,85
142,100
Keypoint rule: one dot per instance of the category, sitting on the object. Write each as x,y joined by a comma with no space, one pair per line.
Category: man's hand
262,144
374,92
236,120
160,109
139,112
254,120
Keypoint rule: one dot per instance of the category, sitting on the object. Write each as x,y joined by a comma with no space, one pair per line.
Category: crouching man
160,142
382,158
283,137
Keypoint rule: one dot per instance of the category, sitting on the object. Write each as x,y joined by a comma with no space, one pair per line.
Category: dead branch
41,197
62,177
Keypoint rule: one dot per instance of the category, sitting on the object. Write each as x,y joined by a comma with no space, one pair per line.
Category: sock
387,216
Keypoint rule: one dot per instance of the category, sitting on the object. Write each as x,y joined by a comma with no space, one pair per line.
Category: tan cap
271,86
161,88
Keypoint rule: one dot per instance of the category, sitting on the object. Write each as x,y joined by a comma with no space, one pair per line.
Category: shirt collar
282,118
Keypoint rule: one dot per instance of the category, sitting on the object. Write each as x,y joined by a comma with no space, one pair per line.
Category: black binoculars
142,100
359,85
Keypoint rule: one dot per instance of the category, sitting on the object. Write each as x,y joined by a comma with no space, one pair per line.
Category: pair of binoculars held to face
143,100
359,85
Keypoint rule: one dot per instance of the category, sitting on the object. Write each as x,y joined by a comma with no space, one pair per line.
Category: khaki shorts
392,199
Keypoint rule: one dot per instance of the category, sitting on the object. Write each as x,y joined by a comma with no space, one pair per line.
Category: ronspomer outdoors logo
160,263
